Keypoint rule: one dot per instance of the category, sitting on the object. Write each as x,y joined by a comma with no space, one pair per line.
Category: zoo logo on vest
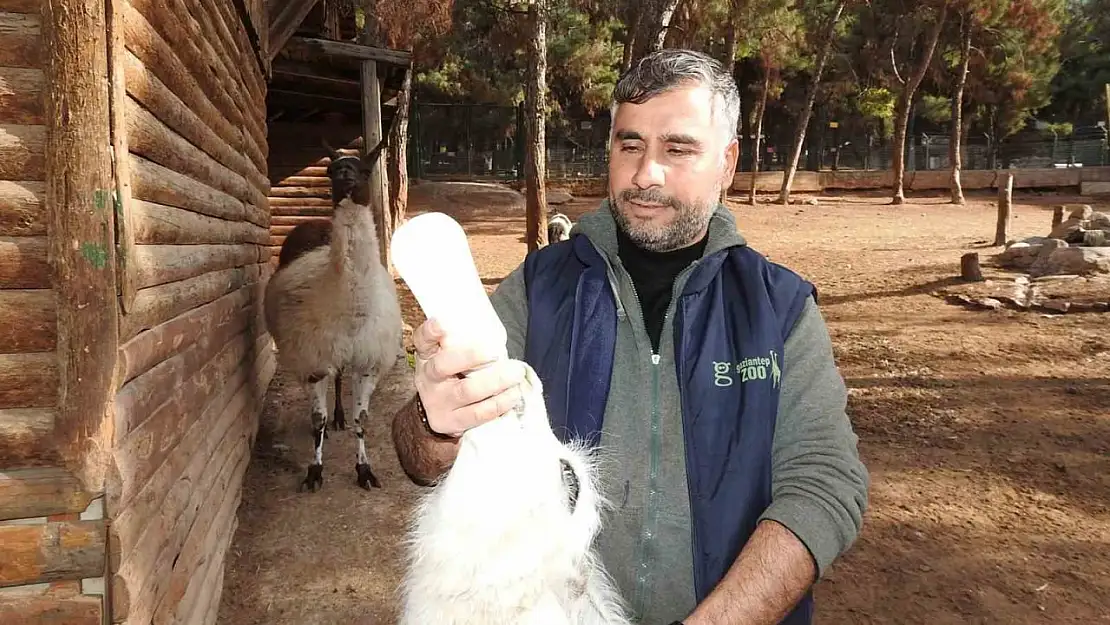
748,369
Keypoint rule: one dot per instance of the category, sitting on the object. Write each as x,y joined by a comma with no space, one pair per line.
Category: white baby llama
331,307
558,227
506,537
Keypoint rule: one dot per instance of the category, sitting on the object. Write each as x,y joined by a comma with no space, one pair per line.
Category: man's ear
732,154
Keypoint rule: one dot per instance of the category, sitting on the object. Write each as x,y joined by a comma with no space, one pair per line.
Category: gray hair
670,68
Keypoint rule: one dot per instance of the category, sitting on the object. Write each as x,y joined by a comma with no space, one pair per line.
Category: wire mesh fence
485,142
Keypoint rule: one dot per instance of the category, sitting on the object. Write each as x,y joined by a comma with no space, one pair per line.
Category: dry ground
987,434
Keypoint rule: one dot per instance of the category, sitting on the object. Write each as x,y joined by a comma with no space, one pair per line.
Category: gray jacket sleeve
511,304
819,484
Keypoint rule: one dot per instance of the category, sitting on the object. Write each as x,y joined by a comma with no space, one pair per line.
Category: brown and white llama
331,308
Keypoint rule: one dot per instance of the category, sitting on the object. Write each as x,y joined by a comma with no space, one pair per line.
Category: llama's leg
314,479
338,417
364,388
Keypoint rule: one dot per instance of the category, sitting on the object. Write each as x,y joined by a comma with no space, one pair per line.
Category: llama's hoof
314,480
366,477
339,421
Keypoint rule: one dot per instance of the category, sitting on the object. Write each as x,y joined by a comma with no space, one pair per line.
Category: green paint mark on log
118,201
95,254
100,199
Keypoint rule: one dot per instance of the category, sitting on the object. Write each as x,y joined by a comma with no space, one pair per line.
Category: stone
1076,237
1095,238
1073,260
1081,213
812,201
1057,305
558,196
1099,221
1066,227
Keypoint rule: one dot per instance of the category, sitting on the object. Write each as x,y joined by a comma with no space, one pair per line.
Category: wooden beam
50,552
28,493
346,49
284,96
80,214
314,82
285,22
372,135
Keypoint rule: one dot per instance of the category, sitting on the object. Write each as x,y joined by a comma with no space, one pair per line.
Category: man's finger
490,408
426,338
451,362
487,382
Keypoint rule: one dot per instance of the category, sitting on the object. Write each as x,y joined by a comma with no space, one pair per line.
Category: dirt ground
987,432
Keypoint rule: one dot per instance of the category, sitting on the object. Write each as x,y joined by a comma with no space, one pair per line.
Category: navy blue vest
730,324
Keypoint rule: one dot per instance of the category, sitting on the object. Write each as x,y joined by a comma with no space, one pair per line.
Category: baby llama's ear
332,152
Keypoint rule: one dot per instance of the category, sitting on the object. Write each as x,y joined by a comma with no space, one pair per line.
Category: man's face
667,164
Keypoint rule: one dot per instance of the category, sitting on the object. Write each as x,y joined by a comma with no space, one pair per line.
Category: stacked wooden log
194,358
52,530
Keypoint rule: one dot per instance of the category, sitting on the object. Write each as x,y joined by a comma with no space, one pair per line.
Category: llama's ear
332,152
373,155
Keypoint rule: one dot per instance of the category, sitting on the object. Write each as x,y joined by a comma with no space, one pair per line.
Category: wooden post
1057,216
117,63
371,135
1108,107
969,267
1005,199
81,222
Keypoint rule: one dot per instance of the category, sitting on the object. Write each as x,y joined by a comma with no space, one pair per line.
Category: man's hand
455,404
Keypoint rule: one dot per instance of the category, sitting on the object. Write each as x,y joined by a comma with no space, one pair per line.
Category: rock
1065,228
1076,237
1030,241
1057,305
1099,221
812,201
1095,238
1081,213
558,196
1073,260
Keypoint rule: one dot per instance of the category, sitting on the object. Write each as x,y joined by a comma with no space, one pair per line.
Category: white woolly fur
495,541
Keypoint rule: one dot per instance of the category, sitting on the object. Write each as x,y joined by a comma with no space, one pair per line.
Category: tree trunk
535,170
632,39
954,142
760,109
811,97
969,267
1005,203
666,14
905,99
398,154
650,30
730,62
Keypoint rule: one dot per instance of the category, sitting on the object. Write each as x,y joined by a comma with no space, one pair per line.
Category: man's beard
683,230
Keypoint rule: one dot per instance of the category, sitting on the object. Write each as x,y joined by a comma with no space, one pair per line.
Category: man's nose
648,174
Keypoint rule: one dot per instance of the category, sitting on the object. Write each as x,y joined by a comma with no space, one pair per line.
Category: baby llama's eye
570,480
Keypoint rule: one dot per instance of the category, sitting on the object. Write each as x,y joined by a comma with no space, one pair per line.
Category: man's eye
630,148
679,152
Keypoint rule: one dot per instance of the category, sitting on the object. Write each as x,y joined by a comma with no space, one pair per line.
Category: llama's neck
354,238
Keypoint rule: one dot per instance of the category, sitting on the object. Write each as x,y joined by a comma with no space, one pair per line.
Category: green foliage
937,109
877,104
1043,58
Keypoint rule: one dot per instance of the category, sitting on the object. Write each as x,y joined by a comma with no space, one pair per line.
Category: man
704,371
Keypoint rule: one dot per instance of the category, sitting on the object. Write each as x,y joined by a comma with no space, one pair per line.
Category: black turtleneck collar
653,274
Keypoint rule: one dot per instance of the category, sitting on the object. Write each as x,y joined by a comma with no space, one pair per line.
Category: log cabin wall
188,111
52,529
300,188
